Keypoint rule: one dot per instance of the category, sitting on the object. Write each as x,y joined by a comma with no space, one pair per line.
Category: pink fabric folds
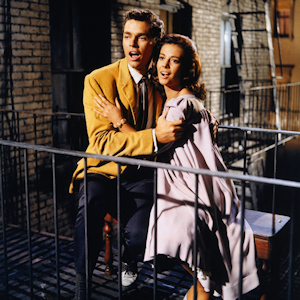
218,222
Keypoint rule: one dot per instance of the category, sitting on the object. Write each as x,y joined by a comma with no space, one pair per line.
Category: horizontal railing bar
272,146
274,131
59,113
272,86
265,87
145,163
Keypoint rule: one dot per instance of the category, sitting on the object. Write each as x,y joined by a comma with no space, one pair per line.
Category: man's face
137,44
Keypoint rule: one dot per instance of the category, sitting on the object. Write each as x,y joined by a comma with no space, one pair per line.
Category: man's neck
135,74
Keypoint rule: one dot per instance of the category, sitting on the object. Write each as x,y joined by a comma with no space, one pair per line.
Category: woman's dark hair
156,24
190,64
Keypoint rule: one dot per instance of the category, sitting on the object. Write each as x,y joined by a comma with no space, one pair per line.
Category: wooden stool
271,233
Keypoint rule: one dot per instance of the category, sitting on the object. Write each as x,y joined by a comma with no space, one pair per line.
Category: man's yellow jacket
113,81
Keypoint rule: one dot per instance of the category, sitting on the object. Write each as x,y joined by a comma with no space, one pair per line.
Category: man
141,29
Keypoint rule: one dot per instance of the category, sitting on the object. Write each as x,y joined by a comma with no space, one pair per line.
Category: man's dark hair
156,24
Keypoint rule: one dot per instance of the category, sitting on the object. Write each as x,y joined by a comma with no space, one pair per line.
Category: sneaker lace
129,269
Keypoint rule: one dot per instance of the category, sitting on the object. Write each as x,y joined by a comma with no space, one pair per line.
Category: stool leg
108,258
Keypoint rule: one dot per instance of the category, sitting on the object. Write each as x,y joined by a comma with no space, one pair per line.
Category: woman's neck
174,93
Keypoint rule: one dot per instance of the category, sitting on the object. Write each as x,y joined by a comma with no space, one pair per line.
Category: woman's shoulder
186,100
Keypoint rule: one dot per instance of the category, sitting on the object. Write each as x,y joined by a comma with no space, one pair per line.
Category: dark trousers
136,191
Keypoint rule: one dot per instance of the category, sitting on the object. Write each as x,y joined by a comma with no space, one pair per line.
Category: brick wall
206,22
25,70
29,86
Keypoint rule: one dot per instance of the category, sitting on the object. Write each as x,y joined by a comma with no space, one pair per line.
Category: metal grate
172,284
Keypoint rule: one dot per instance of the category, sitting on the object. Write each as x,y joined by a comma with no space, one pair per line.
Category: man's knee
100,194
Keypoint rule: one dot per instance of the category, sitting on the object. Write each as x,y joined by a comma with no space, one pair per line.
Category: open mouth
164,74
134,55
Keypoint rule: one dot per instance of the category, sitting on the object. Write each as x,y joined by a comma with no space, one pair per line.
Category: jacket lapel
158,105
127,87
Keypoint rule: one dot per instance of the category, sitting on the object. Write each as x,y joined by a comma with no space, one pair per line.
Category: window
177,17
229,102
283,23
225,43
283,18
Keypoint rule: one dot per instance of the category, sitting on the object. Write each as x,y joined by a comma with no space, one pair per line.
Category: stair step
254,48
250,13
267,80
254,30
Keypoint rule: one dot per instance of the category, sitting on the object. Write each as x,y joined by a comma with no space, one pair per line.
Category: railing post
20,173
274,186
28,222
3,226
37,175
242,220
291,253
245,138
56,228
155,233
119,232
195,250
87,269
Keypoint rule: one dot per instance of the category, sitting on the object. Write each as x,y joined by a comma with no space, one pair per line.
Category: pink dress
218,223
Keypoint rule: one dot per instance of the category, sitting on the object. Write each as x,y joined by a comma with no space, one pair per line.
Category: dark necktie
143,104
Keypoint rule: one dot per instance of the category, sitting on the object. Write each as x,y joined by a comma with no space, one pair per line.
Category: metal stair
252,46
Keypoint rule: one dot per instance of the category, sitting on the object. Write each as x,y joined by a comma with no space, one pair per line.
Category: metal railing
65,129
258,108
68,130
27,181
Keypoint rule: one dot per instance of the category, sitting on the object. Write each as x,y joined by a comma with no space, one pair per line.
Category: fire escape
252,45
245,41
253,58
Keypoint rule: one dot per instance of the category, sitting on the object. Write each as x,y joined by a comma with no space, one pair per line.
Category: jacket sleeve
103,138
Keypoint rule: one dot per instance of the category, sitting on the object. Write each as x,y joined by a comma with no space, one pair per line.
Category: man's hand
168,131
213,126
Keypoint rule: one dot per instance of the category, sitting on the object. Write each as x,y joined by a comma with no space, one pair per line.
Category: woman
177,68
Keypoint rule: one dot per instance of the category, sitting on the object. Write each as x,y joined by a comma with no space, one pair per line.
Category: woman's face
169,66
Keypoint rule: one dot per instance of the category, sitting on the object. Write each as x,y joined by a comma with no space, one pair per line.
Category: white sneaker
129,275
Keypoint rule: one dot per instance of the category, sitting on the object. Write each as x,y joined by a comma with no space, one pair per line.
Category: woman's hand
113,113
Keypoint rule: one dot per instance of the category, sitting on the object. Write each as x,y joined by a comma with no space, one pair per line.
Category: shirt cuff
154,141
